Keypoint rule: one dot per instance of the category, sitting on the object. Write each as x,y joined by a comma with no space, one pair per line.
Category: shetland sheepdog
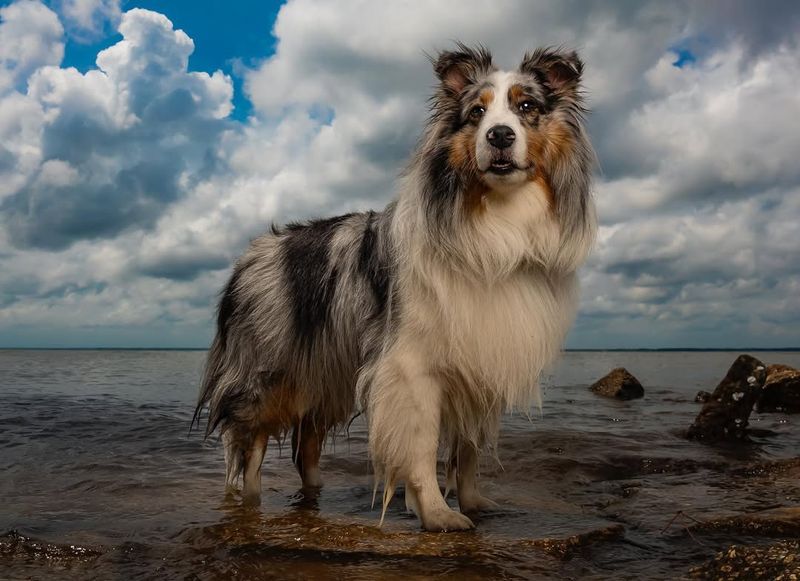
432,316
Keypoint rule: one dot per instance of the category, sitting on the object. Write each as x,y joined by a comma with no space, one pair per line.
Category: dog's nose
501,136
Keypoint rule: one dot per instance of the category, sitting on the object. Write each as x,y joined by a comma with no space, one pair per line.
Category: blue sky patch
226,35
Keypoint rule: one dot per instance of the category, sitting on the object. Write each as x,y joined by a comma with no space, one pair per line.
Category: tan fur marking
462,158
486,98
475,198
544,182
516,94
278,410
548,145
462,150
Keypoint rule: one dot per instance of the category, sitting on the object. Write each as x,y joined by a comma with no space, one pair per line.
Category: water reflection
110,486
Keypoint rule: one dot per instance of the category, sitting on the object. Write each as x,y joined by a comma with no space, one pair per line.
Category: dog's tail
229,383
209,392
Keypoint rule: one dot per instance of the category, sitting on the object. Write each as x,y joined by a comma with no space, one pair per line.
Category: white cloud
30,36
136,133
728,123
21,121
57,173
88,19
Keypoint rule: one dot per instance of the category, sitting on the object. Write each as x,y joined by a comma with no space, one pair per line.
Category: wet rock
780,561
789,467
293,537
619,383
724,416
781,391
564,547
702,396
15,545
776,522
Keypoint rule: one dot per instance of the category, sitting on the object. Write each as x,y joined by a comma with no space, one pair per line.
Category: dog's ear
559,70
457,69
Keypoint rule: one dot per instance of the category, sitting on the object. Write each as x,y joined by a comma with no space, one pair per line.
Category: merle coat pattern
432,316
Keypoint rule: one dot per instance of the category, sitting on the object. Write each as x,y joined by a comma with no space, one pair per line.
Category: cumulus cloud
132,136
31,36
126,190
719,129
89,19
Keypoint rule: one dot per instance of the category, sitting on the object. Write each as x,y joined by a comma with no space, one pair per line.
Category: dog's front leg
404,438
469,498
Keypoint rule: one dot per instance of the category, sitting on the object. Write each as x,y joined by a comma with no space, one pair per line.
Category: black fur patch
444,185
306,254
373,266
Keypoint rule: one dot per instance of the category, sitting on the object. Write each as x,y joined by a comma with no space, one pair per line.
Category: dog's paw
251,499
312,478
477,503
445,519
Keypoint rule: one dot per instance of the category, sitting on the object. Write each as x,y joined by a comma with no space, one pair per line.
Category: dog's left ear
457,69
559,70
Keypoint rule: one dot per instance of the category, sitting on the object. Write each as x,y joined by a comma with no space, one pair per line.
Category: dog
432,316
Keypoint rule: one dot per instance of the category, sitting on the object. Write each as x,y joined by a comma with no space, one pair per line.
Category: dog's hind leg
404,434
253,457
469,498
234,461
307,440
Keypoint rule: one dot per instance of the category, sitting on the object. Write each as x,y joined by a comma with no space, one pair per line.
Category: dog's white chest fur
502,319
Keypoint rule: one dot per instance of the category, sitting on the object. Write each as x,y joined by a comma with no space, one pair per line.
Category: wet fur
432,316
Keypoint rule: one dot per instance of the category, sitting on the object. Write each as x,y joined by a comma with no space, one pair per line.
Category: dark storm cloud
184,267
54,217
762,26
147,179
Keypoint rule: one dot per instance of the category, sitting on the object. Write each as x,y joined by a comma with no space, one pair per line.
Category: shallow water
101,479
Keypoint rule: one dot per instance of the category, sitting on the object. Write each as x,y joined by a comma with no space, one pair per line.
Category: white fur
499,113
481,325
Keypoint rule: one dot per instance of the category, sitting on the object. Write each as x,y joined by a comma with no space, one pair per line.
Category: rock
724,416
781,391
702,396
778,561
17,546
776,522
563,548
786,467
619,383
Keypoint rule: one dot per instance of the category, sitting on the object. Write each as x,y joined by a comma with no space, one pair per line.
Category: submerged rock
778,561
619,383
564,547
776,522
724,416
781,391
702,396
17,546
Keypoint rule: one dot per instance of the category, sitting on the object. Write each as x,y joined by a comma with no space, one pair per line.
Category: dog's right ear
457,69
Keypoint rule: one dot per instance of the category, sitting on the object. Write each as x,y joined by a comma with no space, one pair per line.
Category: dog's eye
527,107
476,112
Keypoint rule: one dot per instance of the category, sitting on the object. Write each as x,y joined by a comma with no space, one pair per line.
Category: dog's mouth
503,166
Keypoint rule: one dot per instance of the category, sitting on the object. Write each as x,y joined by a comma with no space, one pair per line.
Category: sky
143,144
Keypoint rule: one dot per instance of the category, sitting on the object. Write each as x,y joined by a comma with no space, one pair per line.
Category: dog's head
506,127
